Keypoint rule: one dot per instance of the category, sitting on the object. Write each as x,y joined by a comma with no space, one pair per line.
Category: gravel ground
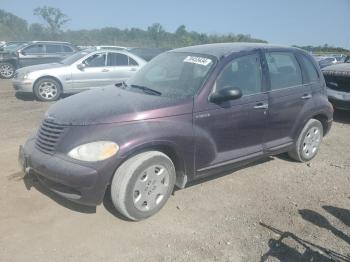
274,210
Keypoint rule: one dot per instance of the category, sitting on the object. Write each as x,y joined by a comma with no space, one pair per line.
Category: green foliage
54,18
15,28
325,49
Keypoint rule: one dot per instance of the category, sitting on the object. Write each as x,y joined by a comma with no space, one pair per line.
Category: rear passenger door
54,53
121,66
287,98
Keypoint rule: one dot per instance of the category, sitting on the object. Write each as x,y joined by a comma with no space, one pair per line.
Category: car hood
29,69
113,105
344,67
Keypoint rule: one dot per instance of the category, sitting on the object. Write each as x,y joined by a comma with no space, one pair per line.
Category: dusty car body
187,114
83,71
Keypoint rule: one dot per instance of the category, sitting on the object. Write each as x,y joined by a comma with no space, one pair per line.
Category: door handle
306,96
261,106
133,69
105,70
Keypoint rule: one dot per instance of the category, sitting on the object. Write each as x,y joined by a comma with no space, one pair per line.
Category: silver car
81,71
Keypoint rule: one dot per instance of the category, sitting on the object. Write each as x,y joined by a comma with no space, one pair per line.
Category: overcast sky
301,22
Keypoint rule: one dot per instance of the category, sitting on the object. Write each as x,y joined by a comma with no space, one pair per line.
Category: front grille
48,135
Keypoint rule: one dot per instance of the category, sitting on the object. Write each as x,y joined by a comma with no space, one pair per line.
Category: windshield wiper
147,90
121,84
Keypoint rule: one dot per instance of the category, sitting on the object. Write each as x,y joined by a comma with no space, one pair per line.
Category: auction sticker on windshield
198,60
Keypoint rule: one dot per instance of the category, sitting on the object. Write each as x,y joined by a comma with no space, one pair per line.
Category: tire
136,191
308,142
7,70
47,89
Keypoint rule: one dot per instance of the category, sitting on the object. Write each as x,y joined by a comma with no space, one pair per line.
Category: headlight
95,151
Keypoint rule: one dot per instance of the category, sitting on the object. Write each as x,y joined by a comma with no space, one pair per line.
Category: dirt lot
221,219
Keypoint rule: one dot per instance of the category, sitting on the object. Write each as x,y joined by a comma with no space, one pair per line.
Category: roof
49,42
223,49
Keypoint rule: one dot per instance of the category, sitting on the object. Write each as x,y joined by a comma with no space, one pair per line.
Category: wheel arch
49,76
11,61
167,148
324,121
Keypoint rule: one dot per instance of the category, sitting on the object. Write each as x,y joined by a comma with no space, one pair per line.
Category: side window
117,59
132,62
284,70
34,49
53,49
67,49
243,73
310,70
96,60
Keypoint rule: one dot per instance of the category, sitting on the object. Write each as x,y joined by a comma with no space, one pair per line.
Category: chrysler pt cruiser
189,113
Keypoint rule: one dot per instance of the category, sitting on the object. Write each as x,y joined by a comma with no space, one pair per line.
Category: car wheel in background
47,89
142,185
308,142
7,70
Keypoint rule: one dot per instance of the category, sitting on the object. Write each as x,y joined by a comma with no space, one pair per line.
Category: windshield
73,58
13,47
174,75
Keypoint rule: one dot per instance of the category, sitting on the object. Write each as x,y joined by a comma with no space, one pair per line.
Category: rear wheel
142,185
308,142
7,70
47,89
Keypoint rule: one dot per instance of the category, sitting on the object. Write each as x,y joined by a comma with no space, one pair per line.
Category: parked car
338,85
187,114
82,71
33,53
147,53
326,61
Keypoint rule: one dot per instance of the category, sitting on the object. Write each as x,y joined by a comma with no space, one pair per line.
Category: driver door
228,132
93,73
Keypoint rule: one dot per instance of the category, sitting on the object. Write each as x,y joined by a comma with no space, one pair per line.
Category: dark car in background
33,53
187,114
338,85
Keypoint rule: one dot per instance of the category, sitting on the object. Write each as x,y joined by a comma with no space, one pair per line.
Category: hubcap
6,70
47,90
311,142
151,187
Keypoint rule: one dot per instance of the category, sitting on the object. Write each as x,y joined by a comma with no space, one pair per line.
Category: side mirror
81,66
22,52
225,94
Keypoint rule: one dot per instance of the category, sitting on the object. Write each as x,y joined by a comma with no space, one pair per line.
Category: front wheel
7,70
142,185
308,142
47,89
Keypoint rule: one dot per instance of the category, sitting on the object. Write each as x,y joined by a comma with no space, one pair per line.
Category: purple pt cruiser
189,113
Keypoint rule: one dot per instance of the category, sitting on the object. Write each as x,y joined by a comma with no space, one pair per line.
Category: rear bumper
75,182
23,86
339,99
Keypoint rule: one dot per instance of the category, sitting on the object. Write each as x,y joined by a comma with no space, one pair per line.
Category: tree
156,32
54,18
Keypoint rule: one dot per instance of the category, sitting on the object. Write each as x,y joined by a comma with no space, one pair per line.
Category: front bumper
23,85
339,99
73,181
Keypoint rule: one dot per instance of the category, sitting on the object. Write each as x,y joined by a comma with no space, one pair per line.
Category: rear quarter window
67,49
311,71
